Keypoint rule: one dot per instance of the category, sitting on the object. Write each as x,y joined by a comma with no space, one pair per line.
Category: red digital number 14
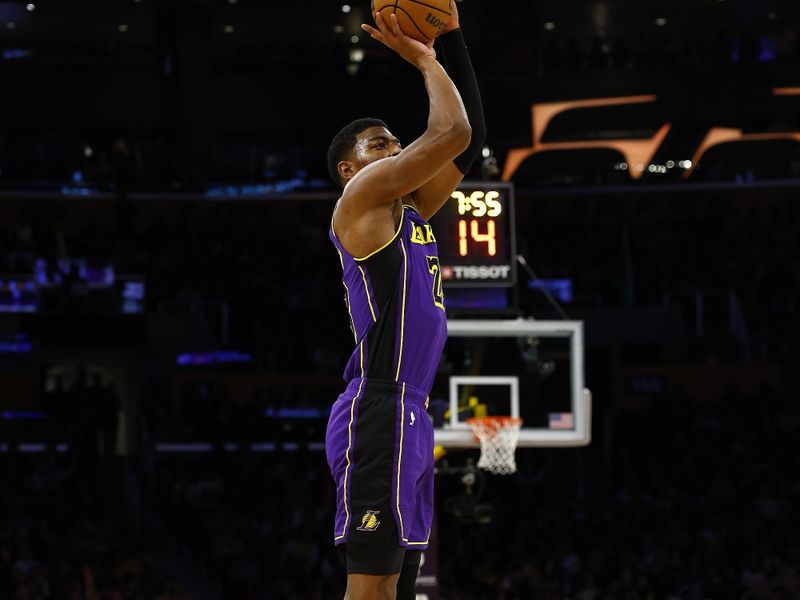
489,238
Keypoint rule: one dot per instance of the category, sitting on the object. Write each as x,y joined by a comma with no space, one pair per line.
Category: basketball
422,21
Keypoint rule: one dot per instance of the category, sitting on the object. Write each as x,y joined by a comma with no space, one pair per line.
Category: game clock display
475,235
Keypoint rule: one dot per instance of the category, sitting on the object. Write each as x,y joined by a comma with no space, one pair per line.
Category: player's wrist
425,62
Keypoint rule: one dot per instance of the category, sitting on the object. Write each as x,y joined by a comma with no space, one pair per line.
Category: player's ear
345,169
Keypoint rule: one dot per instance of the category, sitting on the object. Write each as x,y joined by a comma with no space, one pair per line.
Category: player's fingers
382,25
372,31
396,26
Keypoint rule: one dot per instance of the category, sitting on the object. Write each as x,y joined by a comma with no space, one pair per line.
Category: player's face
374,144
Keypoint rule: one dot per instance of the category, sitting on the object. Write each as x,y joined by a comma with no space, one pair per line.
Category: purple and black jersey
396,307
379,439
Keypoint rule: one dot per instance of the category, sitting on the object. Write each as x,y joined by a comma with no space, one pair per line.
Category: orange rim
492,424
499,421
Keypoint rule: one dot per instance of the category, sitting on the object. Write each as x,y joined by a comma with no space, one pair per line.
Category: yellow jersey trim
403,311
341,260
347,455
347,292
387,244
366,291
333,231
421,543
400,458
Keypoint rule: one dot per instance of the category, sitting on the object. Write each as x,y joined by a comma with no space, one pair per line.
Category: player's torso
396,304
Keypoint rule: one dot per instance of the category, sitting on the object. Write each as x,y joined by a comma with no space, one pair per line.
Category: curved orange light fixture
637,152
722,135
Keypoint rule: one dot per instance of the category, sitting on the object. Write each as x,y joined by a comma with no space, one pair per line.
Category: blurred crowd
124,164
692,501
696,502
685,501
637,250
194,254
63,537
680,501
260,522
273,268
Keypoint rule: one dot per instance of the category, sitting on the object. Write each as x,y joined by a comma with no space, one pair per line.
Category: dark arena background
172,330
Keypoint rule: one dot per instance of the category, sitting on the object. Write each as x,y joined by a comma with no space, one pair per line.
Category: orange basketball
422,20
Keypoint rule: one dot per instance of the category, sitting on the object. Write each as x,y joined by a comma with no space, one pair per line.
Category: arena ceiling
319,22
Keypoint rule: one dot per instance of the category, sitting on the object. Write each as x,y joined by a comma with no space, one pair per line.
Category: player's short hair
345,141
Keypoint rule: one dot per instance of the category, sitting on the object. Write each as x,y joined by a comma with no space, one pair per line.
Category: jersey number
436,271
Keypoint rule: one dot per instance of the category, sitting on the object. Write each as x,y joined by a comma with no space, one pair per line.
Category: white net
498,437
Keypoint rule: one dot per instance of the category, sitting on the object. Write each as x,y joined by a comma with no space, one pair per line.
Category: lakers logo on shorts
370,522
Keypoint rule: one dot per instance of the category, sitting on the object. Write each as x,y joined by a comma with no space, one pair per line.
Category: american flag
561,421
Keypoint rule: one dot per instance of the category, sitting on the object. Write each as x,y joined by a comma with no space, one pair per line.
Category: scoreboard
475,235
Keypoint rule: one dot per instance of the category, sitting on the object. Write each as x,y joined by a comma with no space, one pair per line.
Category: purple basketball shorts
379,445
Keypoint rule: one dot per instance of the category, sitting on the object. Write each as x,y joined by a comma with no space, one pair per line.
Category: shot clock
475,235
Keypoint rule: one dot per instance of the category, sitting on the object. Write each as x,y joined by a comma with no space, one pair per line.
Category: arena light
549,26
354,39
23,415
600,16
722,135
338,29
346,8
229,29
637,152
31,7
123,28
11,25
14,54
31,448
357,55
661,21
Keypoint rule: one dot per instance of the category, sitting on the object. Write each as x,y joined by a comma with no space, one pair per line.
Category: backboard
521,368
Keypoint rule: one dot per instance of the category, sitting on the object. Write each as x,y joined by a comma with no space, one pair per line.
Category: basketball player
379,439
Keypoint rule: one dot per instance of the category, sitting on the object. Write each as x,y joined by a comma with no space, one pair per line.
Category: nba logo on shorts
370,522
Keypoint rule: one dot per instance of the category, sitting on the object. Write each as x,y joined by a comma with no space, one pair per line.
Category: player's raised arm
453,50
447,135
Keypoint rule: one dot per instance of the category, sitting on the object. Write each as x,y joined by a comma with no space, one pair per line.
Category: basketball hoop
498,437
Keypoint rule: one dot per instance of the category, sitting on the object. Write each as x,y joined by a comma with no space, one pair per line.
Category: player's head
358,144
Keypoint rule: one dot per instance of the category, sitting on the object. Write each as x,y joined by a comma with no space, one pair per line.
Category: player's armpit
436,192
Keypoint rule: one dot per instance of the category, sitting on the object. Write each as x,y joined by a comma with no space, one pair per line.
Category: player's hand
390,35
454,22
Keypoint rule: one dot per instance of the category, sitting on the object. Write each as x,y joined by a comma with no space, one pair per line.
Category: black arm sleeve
455,58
